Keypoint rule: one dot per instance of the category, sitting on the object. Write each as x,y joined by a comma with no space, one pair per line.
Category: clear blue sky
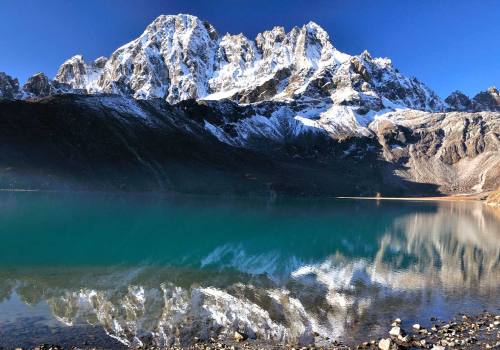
448,44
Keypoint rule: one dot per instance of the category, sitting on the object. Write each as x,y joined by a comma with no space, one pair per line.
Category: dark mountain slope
70,142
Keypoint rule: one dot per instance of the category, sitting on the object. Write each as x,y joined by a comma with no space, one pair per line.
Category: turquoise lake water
121,270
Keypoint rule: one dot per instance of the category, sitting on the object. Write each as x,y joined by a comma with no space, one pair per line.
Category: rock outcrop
39,85
488,100
80,75
9,87
494,199
458,151
458,101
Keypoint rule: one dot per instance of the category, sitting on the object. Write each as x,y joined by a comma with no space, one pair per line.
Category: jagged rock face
457,101
377,79
487,100
277,65
9,87
37,85
458,151
100,62
260,125
78,74
172,59
180,57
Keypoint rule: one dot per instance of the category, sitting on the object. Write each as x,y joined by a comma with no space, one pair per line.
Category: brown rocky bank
493,199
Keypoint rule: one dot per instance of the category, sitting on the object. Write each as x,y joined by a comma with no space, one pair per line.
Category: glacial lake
116,269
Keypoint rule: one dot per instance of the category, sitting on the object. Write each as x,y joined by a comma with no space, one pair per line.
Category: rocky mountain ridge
180,57
488,100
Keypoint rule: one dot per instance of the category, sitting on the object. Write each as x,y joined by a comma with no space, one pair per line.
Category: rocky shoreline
493,199
463,332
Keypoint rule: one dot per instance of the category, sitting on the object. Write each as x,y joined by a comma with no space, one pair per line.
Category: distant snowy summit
488,100
180,57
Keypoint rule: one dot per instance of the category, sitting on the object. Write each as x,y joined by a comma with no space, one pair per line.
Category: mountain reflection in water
169,269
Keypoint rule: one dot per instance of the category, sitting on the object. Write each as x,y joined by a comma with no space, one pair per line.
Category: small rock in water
403,338
238,336
395,331
384,344
397,320
438,347
416,326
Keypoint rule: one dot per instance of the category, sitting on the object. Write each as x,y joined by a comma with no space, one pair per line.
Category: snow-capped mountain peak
80,74
172,59
180,57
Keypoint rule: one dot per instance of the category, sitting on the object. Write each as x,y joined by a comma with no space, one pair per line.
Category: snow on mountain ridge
295,82
81,75
179,57
171,59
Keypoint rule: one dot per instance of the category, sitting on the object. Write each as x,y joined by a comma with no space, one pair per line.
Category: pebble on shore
482,331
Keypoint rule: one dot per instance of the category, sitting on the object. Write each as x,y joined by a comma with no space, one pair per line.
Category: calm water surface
127,269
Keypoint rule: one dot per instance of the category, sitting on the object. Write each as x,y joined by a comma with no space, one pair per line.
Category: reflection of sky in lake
183,267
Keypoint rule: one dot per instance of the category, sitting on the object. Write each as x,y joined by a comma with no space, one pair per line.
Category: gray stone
395,331
239,336
384,344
